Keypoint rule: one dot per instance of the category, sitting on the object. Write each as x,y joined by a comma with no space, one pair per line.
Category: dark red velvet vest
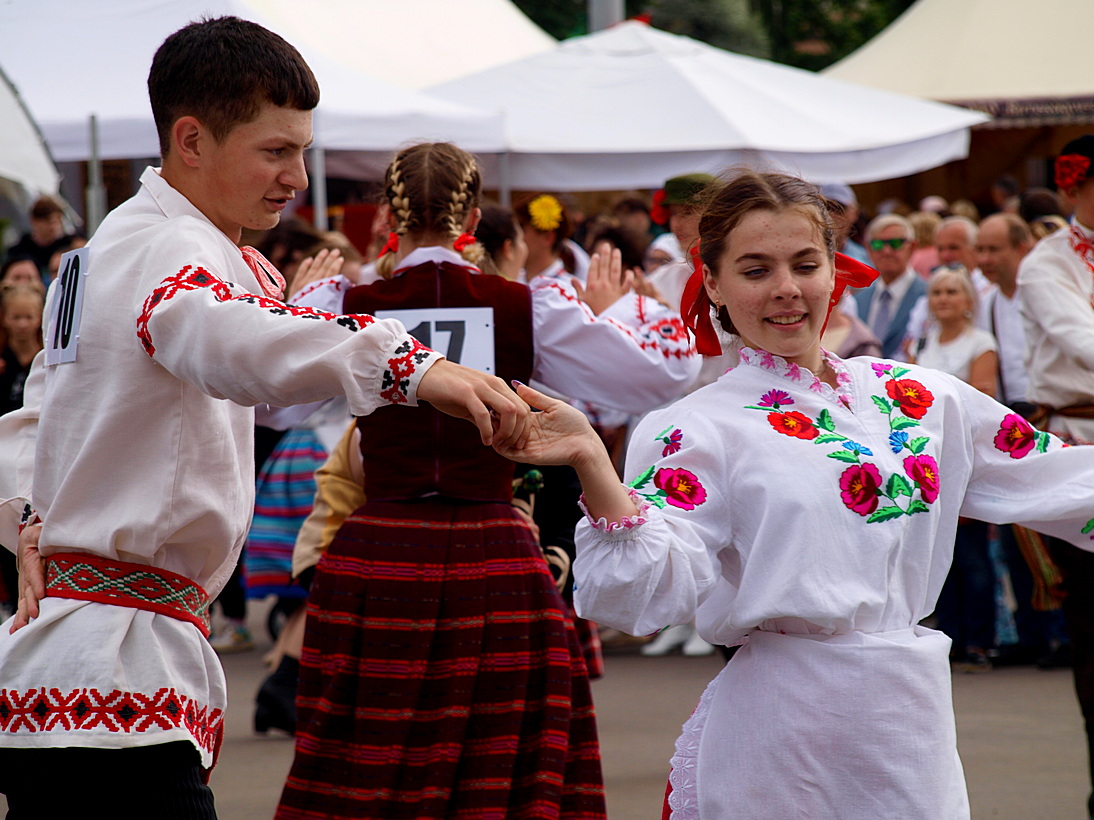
418,451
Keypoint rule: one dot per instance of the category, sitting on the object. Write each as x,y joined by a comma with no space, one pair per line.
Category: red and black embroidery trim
647,337
47,710
195,278
87,577
395,385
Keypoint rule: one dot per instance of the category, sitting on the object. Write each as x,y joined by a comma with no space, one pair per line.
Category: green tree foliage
814,34
805,33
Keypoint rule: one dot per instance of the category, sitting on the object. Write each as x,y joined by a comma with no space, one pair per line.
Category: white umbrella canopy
24,158
1026,65
630,106
71,60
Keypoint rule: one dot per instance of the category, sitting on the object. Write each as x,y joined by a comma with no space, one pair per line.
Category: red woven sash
106,581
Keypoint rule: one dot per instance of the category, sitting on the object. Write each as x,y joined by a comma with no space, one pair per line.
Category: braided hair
431,188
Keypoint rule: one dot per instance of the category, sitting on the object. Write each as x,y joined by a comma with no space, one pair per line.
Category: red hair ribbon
695,309
659,213
695,304
392,245
463,241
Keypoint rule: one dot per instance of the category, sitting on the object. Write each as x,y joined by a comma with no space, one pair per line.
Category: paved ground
1019,733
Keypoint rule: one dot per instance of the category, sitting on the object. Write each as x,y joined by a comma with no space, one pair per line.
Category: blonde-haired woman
441,675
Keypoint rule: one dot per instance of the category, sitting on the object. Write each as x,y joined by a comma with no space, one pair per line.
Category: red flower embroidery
682,489
1015,437
858,488
923,470
793,423
914,399
1071,170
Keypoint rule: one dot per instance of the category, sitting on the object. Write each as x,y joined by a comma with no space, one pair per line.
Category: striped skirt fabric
441,675
284,492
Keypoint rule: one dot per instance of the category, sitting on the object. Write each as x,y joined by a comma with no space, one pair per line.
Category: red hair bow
463,241
659,213
392,244
1071,170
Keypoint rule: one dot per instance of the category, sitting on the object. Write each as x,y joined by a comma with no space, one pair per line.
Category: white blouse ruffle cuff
625,528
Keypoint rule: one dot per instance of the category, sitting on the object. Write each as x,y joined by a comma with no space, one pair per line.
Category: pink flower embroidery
682,489
858,488
923,470
672,442
1016,436
774,398
793,424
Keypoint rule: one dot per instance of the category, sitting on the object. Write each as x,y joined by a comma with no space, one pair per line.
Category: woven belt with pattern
106,581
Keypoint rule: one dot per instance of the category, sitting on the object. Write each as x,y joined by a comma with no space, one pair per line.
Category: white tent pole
603,14
95,196
319,187
505,189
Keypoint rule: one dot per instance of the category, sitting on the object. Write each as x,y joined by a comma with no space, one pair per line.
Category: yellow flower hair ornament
545,212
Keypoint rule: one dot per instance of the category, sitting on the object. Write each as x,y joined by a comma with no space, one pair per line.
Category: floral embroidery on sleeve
674,486
1017,437
862,486
672,438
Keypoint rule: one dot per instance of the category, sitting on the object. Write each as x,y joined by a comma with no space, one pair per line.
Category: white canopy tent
24,158
71,60
409,43
1025,65
631,106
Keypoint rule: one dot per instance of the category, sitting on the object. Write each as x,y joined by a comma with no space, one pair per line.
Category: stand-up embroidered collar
433,253
804,377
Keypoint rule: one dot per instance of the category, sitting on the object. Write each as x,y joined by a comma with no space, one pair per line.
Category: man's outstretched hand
486,401
32,577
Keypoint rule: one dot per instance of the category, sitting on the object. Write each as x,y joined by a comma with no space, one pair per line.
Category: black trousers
164,781
1077,567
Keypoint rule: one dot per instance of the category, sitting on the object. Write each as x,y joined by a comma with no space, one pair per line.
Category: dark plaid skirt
441,676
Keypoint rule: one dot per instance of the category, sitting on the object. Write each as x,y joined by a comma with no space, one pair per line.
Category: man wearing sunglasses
887,304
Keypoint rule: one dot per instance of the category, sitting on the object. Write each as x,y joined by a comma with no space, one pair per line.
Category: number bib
63,322
463,335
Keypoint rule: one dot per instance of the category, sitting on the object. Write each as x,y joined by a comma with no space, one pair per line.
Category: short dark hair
222,71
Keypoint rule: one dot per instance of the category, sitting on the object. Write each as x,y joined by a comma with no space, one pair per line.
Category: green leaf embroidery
897,372
883,404
917,506
898,485
845,455
642,480
916,445
828,438
902,422
884,514
1089,527
824,421
1042,441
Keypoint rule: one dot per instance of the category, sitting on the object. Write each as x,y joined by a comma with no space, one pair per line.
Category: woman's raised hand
323,265
607,282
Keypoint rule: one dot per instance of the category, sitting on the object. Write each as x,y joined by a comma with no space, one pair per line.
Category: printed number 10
67,305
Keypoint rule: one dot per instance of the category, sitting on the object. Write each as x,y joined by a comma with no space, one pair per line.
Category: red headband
695,303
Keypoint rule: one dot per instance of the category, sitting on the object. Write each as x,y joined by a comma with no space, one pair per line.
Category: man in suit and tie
887,304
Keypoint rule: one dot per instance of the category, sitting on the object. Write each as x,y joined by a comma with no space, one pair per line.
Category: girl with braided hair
441,676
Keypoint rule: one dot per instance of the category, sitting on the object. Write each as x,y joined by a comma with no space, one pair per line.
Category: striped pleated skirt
441,676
